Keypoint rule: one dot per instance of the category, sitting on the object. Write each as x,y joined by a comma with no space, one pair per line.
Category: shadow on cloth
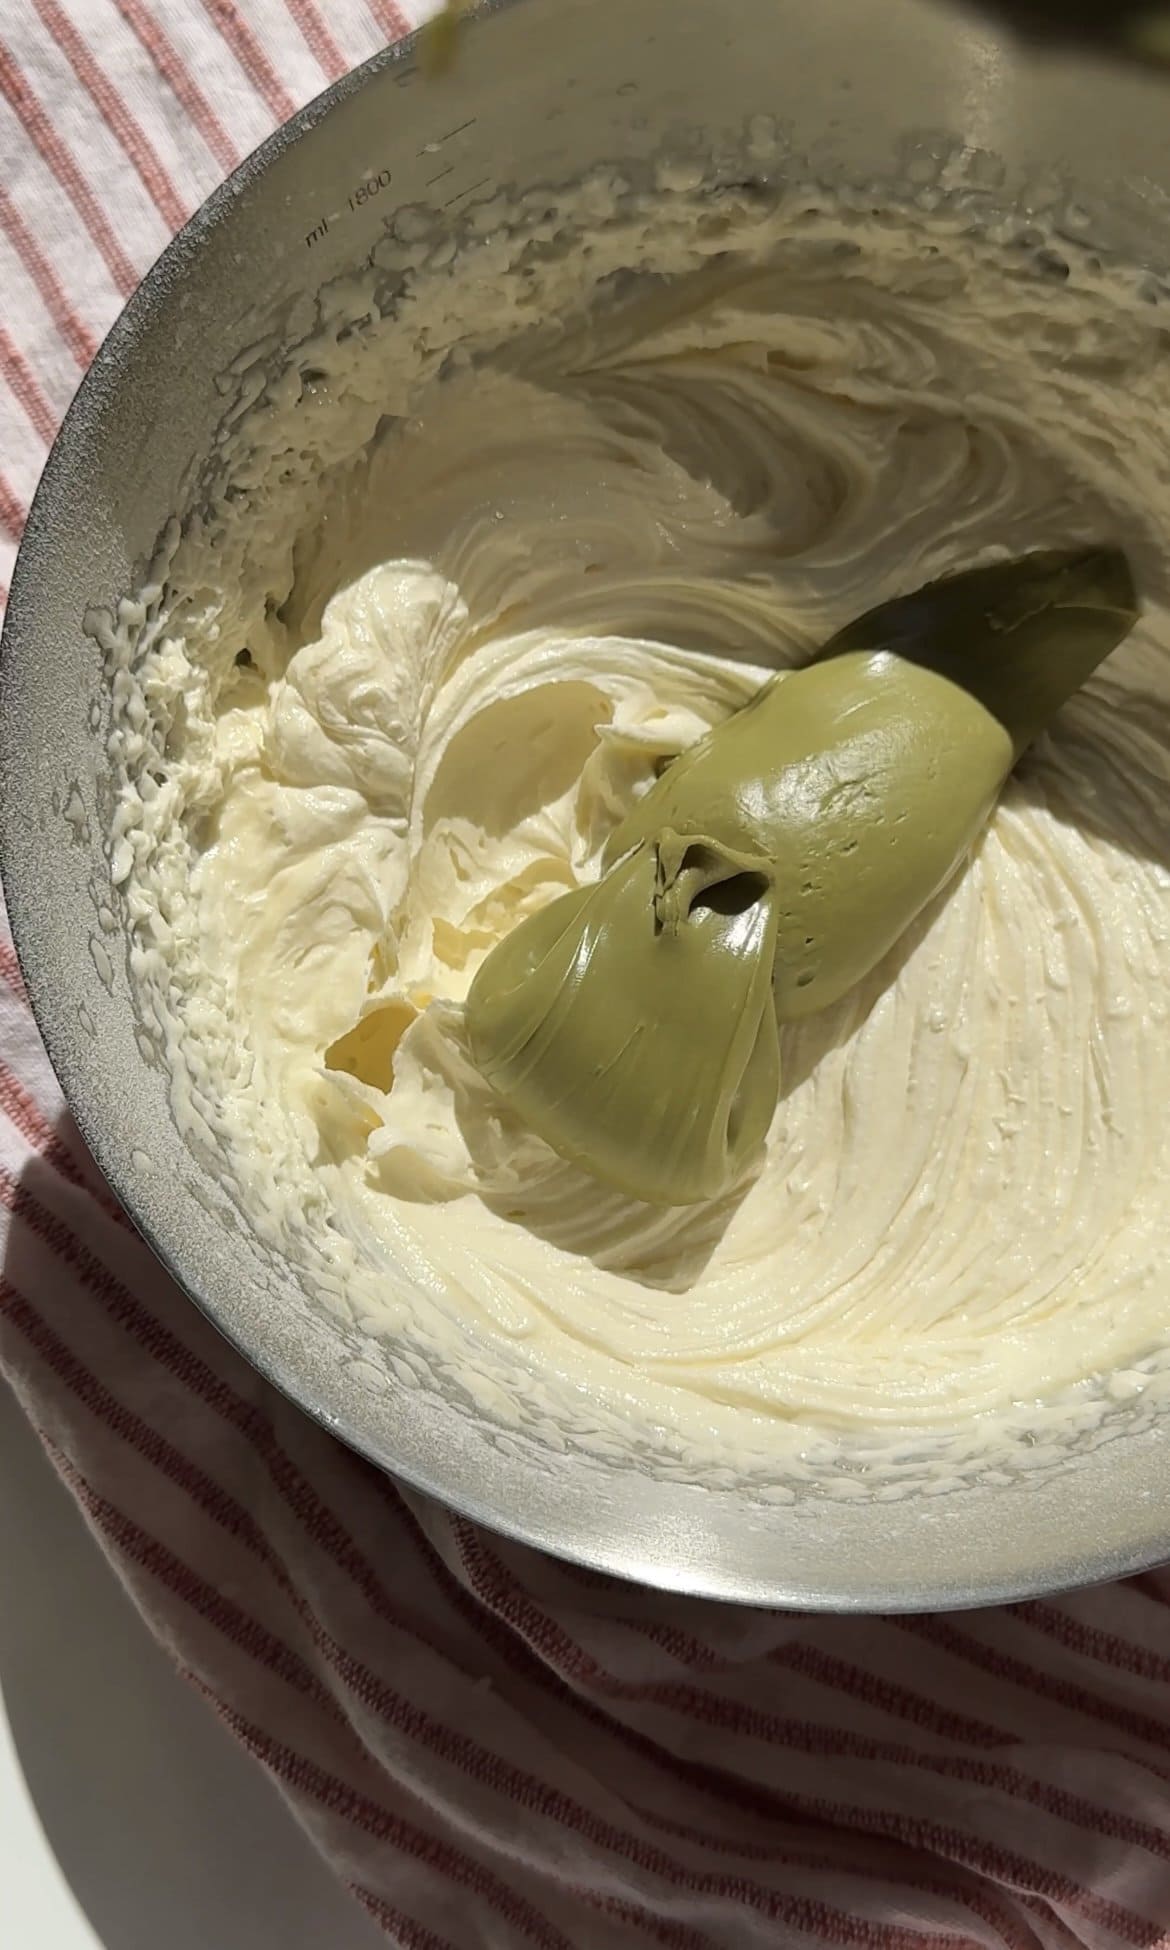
995,1779
164,1830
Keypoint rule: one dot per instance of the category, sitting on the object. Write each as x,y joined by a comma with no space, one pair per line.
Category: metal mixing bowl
542,91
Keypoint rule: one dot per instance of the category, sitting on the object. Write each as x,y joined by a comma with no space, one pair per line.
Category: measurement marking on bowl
466,192
364,192
438,179
436,142
371,186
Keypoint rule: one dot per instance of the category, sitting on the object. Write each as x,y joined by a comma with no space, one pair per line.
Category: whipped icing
485,564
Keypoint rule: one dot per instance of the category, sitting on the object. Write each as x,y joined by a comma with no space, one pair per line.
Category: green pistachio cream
633,1024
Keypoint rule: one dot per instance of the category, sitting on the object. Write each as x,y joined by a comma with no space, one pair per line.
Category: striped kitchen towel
491,1748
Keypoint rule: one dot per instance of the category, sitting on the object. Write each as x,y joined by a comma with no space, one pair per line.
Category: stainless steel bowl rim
665,1553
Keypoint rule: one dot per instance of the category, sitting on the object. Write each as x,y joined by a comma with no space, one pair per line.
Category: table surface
128,1817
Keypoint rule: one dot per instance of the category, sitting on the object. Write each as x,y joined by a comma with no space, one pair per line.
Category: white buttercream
560,563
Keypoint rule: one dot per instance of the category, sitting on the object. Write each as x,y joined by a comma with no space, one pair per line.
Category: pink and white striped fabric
492,1749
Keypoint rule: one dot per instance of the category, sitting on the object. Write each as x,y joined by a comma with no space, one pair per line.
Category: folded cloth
491,1748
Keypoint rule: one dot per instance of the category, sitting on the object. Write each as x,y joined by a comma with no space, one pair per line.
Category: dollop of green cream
633,1024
